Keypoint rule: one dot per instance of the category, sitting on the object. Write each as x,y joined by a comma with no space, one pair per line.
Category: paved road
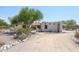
47,42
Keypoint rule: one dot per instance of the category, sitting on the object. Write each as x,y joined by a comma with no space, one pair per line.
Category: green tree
70,24
3,24
27,16
14,20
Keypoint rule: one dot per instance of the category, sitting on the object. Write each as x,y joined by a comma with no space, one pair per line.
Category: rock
4,47
14,43
15,36
0,48
22,36
8,46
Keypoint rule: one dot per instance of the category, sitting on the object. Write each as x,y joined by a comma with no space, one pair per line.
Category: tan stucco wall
51,26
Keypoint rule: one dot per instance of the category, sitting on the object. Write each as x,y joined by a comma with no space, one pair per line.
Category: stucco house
44,26
47,26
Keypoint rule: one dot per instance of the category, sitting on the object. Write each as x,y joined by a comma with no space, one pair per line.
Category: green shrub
50,31
22,36
22,33
77,35
4,27
21,30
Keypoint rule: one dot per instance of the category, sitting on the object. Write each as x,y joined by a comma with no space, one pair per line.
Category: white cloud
2,18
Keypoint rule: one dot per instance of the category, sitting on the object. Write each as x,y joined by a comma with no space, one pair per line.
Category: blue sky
51,13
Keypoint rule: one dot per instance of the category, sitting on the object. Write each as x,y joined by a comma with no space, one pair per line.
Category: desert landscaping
47,42
28,32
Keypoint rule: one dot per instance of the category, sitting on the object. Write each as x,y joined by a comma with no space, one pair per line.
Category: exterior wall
51,26
61,28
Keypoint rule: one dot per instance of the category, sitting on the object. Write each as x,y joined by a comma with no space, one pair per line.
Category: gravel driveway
47,42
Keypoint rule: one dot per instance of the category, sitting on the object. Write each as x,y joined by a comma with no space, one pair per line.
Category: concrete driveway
47,42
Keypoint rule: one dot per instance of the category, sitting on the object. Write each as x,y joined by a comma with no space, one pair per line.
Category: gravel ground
7,38
47,42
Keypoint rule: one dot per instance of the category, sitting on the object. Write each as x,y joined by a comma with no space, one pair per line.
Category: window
45,26
39,27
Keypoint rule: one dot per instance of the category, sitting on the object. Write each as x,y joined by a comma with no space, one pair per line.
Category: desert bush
22,36
50,31
21,30
77,35
22,33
